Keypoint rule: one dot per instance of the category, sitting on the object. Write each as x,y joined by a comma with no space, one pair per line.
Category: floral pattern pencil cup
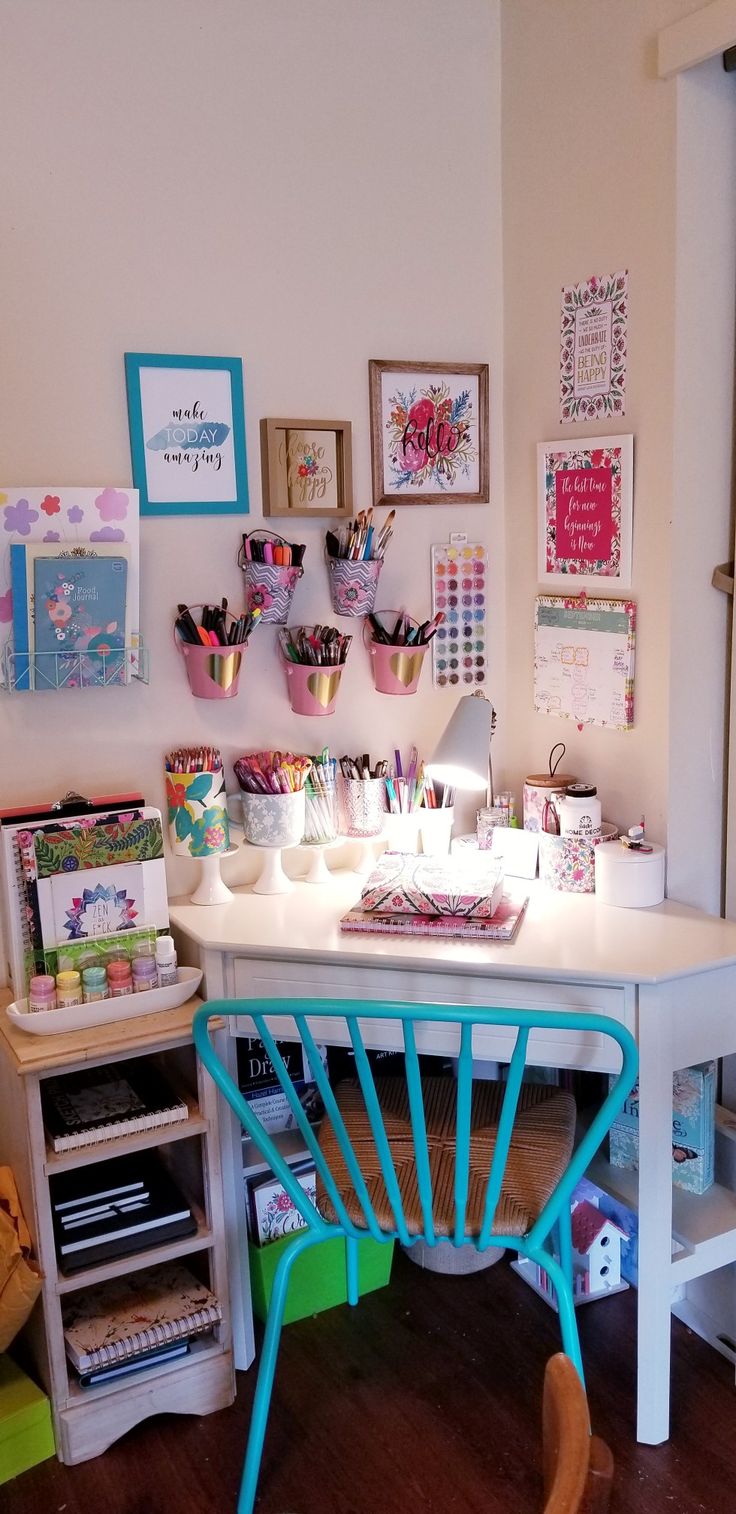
197,805
271,570
354,555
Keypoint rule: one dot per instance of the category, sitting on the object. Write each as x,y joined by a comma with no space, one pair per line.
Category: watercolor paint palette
459,590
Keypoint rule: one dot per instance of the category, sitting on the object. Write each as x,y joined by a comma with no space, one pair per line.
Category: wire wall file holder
101,667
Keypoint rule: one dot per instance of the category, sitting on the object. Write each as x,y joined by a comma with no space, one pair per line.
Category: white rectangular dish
47,1022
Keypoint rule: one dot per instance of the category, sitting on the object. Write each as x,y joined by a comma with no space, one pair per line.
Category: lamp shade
461,756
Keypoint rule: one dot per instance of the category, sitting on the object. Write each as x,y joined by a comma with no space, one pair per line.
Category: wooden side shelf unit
88,1420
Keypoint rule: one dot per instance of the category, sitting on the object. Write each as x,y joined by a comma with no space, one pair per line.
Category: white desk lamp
462,757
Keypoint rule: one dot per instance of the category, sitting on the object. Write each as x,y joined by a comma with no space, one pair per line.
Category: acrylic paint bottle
165,961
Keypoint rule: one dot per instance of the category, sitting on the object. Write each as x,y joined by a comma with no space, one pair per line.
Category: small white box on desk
517,850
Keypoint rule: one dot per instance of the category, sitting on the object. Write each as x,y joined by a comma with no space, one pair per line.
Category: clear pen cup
320,809
364,806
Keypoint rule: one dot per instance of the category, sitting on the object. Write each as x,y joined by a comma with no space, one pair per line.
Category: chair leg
351,1263
267,1367
562,1285
564,1242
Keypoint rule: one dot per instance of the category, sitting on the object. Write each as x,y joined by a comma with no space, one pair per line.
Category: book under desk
88,1419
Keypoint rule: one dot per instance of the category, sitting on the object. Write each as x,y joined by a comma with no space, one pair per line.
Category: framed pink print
585,511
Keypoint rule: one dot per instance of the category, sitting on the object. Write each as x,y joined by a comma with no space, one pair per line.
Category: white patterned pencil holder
353,585
402,832
320,813
273,819
364,804
199,824
436,831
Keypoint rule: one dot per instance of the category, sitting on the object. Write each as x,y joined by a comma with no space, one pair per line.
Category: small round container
364,805
68,989
435,829
42,992
628,878
119,977
579,810
94,984
145,974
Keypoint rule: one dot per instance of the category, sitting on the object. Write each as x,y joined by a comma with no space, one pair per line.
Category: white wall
589,149
307,186
702,478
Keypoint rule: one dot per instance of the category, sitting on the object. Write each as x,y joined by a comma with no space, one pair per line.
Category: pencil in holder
320,808
353,585
213,672
269,587
396,669
364,805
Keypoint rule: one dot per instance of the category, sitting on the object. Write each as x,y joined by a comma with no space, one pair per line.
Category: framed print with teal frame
187,434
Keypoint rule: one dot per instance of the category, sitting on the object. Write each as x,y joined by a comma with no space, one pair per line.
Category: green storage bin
318,1277
26,1433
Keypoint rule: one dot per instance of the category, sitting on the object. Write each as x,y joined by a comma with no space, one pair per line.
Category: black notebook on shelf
116,1208
102,1103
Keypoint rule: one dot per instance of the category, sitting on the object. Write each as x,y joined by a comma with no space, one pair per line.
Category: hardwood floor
427,1397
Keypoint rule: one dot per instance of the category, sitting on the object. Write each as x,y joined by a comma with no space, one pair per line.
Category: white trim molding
694,38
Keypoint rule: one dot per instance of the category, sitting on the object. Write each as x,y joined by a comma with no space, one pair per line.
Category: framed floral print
585,511
429,432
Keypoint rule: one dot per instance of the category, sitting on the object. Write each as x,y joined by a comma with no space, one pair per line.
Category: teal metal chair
413,1158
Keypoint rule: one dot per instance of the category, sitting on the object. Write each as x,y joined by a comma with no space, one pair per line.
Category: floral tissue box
466,886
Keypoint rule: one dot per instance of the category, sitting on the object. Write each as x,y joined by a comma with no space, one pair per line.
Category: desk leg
655,1216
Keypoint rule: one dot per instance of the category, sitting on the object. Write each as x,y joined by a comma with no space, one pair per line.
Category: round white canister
629,878
580,811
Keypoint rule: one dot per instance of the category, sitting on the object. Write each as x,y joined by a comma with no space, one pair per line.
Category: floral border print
429,432
585,511
593,348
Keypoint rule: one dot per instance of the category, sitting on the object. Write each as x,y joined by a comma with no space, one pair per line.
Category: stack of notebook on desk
116,1208
451,897
131,1323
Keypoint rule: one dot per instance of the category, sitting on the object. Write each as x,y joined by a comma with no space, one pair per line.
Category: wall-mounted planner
584,659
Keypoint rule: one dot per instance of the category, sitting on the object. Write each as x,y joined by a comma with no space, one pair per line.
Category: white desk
668,973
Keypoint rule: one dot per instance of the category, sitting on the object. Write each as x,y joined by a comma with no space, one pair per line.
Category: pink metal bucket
396,670
312,690
212,673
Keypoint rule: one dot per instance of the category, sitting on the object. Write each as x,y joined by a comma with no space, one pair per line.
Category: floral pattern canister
198,820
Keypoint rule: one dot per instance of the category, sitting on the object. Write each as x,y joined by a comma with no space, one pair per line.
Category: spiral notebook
115,1321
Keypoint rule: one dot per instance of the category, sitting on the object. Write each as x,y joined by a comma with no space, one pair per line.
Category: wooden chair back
578,1466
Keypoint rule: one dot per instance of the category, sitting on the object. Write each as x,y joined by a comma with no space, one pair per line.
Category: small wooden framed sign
429,432
307,467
